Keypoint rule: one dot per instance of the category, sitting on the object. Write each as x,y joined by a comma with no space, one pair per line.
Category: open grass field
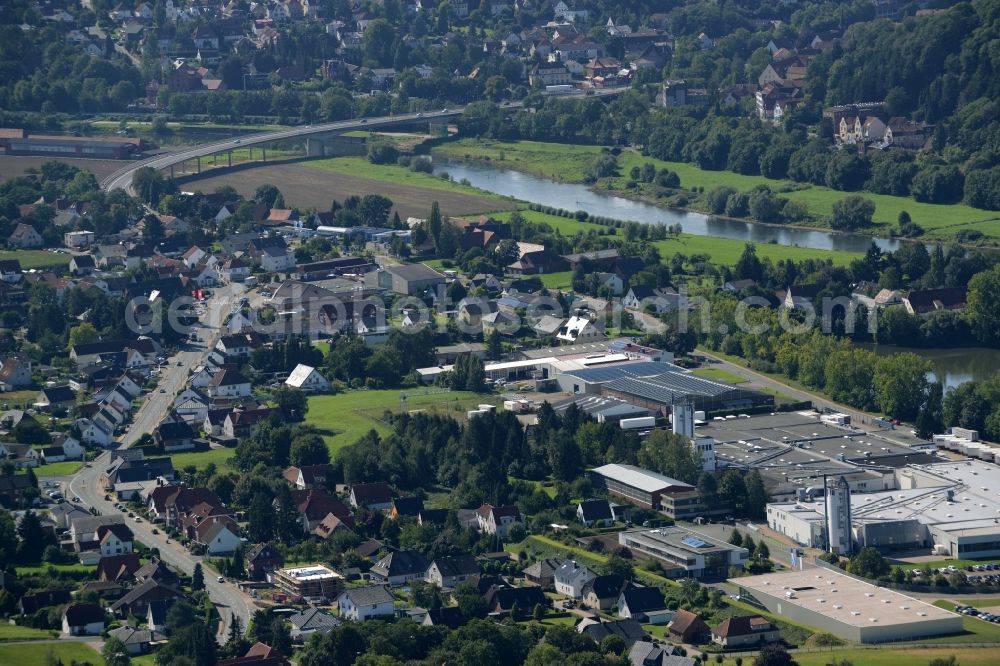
10,632
719,375
66,568
569,163
897,656
201,458
67,468
562,281
314,184
345,417
37,258
15,165
43,654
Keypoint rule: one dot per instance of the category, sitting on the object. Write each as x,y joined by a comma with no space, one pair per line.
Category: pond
538,190
953,366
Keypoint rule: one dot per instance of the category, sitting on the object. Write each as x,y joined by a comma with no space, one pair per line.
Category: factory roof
843,598
637,477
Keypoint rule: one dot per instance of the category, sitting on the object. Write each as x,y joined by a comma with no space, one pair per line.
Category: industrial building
639,486
846,607
20,142
685,553
951,507
314,581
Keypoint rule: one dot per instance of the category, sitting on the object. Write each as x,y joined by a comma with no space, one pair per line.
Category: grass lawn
41,654
67,468
43,568
201,458
570,163
9,632
362,168
346,417
36,258
563,281
719,375
144,660
896,656
549,490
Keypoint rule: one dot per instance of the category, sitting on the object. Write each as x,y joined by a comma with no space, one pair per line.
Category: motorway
122,179
173,378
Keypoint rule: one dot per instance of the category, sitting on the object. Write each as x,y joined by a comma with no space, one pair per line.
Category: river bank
569,164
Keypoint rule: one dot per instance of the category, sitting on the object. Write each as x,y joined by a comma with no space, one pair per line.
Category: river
538,190
953,366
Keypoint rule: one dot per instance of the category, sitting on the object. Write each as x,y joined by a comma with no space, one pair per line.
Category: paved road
122,179
85,484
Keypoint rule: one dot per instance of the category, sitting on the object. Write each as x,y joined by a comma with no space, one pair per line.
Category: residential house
578,329
311,621
83,620
313,506
82,264
920,302
406,506
15,372
595,513
446,616
400,567
117,567
688,627
260,654
21,455
472,309
364,603
376,496
307,379
603,592
799,295
55,398
538,262
647,653
174,436
549,74
498,520
219,534
114,539
629,631
571,577
637,602
156,613
261,559
745,631
234,269
136,601
229,384
136,641
63,447
645,298
452,571
24,237
155,570
308,476
542,572
504,599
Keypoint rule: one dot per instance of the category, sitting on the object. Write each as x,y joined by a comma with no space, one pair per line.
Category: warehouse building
19,142
685,553
950,507
846,607
639,486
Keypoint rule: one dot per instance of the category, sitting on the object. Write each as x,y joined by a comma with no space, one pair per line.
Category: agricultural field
314,184
896,656
570,163
346,417
16,165
44,654
37,258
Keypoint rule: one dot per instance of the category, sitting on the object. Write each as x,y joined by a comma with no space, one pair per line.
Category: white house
365,603
307,379
277,259
221,538
83,620
571,577
229,384
114,539
95,433
498,519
